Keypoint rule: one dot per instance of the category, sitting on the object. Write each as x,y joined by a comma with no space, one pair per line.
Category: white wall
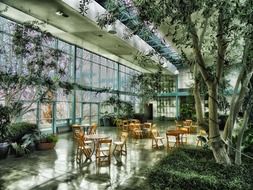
185,78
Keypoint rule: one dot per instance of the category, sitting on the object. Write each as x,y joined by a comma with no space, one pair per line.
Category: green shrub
18,130
196,169
48,138
4,121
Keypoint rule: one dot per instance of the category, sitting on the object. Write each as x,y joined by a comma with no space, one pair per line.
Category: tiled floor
57,169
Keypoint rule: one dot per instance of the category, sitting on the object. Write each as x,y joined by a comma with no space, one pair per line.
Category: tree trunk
236,103
197,97
238,159
198,104
215,140
241,85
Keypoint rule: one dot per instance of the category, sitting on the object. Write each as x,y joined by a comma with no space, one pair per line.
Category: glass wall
166,104
83,67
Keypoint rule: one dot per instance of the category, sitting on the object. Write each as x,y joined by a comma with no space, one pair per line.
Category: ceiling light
111,29
60,13
176,72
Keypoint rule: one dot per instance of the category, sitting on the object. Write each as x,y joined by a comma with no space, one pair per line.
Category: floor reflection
57,169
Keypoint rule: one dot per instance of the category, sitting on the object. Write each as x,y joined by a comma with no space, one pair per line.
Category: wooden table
85,127
176,133
95,138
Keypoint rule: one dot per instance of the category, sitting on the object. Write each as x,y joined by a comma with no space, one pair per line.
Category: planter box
45,146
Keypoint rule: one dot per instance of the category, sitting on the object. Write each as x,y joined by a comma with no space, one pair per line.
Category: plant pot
45,146
4,149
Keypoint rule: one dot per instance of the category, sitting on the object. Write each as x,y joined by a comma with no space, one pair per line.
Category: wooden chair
76,129
201,138
183,137
171,140
157,140
187,124
93,129
119,124
120,146
125,125
82,148
103,151
178,124
134,121
136,131
147,127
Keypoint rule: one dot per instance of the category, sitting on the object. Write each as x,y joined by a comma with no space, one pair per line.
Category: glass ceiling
128,16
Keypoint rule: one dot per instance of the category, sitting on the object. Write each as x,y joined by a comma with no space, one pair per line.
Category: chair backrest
155,133
80,139
123,137
125,122
131,126
137,126
119,122
104,143
154,126
147,125
188,123
134,121
76,129
93,129
202,132
178,123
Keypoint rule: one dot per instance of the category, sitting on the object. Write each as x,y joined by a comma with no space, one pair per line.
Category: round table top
176,132
96,136
85,125
81,125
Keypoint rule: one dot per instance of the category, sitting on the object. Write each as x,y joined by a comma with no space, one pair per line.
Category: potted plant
46,141
4,131
20,149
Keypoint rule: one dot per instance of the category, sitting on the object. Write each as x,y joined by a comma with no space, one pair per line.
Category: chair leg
125,149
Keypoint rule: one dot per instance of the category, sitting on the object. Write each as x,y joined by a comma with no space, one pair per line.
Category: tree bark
197,96
238,155
240,91
215,140
198,104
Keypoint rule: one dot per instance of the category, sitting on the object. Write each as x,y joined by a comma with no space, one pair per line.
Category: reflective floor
57,169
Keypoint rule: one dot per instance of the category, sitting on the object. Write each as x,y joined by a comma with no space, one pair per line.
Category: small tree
206,28
31,69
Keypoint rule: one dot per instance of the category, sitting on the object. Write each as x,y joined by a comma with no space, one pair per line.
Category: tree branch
202,35
197,51
222,46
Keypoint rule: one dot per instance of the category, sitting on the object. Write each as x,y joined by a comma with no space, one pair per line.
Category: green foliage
147,85
18,130
32,44
125,108
196,169
20,149
4,122
187,111
48,138
247,143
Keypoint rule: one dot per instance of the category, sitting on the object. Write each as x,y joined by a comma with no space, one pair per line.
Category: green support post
177,99
118,86
54,117
38,114
98,114
74,91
